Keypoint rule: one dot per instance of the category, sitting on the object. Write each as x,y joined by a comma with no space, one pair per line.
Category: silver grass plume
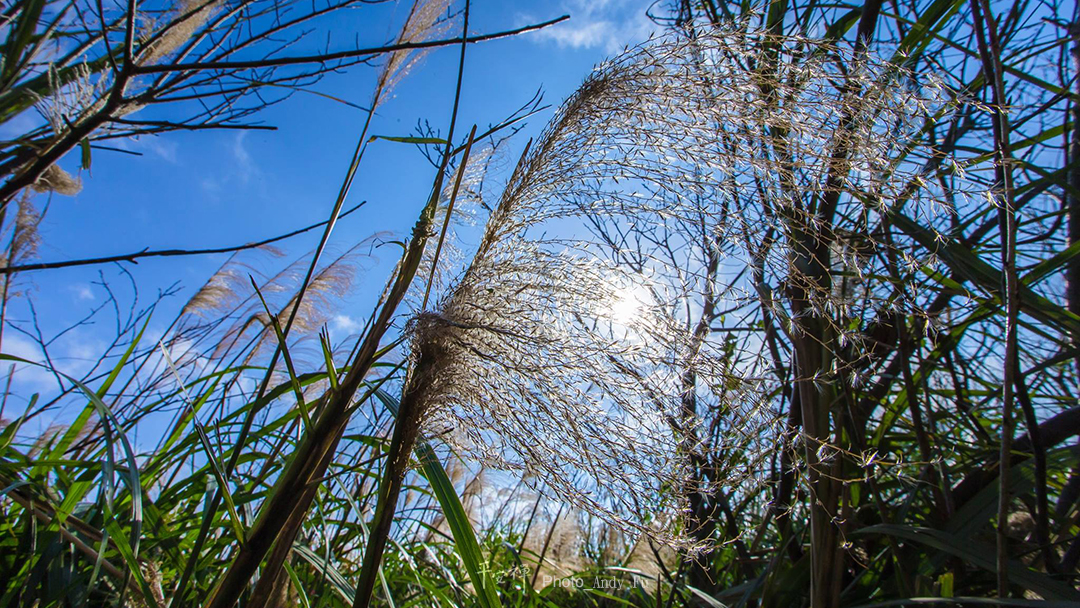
228,291
467,214
223,310
331,282
328,286
249,323
563,350
56,179
72,98
427,20
25,237
186,17
221,291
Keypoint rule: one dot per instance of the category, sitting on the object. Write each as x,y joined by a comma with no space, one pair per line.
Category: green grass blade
204,439
460,526
977,554
293,379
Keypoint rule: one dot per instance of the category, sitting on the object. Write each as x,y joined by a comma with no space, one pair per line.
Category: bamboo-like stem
249,419
411,409
291,492
1072,194
990,53
308,461
406,430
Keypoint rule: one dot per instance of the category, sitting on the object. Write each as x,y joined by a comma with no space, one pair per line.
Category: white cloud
584,35
156,145
83,353
610,25
33,377
74,354
345,324
161,147
236,170
83,292
245,166
211,187
182,353
342,327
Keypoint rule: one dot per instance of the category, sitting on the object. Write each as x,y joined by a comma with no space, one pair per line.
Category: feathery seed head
577,347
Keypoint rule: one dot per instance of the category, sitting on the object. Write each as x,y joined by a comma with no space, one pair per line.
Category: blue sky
197,190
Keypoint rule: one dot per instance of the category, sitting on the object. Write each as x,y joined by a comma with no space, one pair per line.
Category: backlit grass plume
427,20
587,346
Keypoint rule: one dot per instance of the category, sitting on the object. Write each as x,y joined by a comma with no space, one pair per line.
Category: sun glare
626,305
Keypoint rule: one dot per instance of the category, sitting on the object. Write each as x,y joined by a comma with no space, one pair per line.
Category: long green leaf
977,554
460,526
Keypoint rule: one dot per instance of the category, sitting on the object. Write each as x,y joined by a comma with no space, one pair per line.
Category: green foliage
882,481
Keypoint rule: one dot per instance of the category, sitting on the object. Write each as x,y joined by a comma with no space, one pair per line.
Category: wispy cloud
211,187
83,292
74,355
245,166
32,376
343,326
241,170
160,146
609,25
163,148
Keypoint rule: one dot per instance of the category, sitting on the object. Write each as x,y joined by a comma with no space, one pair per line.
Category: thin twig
328,57
163,253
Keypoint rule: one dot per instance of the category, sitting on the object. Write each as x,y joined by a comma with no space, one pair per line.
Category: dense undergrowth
781,309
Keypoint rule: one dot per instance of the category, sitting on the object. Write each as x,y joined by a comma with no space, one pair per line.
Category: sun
627,304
